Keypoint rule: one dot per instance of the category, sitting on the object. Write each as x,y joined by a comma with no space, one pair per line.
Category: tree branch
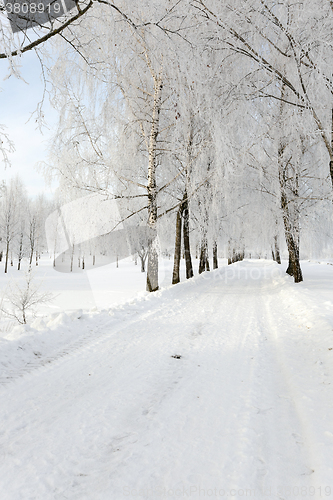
49,35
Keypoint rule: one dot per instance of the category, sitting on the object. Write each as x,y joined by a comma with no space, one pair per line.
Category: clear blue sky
18,100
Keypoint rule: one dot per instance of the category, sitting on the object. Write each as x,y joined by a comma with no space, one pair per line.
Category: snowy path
247,411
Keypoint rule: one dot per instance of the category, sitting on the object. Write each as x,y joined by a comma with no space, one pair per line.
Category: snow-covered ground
219,387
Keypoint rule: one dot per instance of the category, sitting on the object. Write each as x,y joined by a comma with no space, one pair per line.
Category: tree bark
152,268
178,245
231,253
215,259
277,250
72,256
186,232
204,262
143,256
294,267
31,255
7,256
331,159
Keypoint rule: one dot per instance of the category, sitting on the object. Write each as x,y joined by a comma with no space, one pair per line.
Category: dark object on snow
176,356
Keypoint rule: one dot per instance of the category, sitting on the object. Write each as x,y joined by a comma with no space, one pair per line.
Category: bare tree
24,298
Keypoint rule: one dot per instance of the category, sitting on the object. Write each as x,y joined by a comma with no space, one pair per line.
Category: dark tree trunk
143,257
20,252
290,266
178,245
7,255
204,262
294,267
229,253
215,259
31,255
277,250
186,230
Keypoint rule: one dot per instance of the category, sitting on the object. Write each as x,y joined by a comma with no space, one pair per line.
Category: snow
95,407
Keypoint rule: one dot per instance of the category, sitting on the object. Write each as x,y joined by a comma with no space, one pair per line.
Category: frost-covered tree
9,215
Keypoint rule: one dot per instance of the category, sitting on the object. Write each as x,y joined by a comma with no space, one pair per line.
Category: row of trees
22,219
214,118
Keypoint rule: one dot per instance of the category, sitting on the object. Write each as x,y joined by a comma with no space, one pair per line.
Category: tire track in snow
257,438
277,448
295,348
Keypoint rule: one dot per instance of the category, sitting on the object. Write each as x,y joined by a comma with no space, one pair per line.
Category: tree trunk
204,262
178,246
152,268
215,259
277,250
294,267
20,252
7,256
207,261
31,255
231,253
290,265
186,230
72,257
331,152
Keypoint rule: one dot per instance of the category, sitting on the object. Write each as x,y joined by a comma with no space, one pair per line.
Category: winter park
166,249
